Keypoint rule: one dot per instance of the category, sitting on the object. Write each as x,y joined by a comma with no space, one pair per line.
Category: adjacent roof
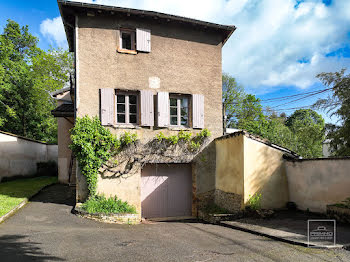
64,110
60,91
70,9
287,152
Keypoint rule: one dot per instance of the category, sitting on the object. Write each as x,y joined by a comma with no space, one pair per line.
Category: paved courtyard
46,230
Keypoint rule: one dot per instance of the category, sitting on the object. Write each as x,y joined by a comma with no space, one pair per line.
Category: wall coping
26,138
291,154
316,159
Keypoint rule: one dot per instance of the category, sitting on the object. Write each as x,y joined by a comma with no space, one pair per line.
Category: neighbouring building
144,72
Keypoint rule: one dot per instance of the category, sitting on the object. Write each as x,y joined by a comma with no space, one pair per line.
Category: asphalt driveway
46,230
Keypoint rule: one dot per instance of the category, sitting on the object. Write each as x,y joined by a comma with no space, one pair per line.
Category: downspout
76,56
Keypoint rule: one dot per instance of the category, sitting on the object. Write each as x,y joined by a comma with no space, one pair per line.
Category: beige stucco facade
245,167
183,59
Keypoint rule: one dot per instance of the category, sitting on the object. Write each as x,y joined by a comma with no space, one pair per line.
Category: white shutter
198,111
143,40
163,109
147,113
107,106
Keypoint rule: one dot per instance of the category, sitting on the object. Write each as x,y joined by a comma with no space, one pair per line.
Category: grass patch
14,192
112,205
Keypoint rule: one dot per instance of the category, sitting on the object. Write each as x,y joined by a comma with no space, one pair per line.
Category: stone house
144,72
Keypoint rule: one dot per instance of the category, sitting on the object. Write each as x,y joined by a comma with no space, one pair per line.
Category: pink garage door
166,190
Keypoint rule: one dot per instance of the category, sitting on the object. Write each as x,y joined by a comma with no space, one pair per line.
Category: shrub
254,202
112,205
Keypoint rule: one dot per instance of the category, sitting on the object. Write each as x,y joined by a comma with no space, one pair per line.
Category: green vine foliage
127,139
92,145
195,141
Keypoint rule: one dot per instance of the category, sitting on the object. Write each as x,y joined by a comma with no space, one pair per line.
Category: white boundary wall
19,156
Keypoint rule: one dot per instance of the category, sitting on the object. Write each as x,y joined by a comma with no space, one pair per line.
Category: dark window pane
184,111
121,118
120,98
120,108
126,41
184,102
184,121
173,111
173,120
173,101
132,99
133,119
132,108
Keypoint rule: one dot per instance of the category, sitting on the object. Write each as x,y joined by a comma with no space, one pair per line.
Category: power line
281,98
319,92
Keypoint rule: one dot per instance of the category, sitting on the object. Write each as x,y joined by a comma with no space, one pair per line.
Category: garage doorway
166,190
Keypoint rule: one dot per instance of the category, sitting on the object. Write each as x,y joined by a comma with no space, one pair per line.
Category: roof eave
229,29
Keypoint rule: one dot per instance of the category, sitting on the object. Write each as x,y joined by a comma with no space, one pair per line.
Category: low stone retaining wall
130,219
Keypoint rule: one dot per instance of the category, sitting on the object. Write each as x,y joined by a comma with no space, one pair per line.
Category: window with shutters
127,108
131,41
127,42
179,110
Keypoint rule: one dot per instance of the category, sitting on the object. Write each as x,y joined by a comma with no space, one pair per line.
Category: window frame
178,98
133,41
127,107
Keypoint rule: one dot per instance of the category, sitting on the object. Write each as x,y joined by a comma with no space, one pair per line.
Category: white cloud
54,31
273,36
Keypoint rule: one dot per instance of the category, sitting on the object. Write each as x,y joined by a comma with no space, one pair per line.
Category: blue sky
277,50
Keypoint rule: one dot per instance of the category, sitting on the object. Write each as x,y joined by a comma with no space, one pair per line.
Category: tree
232,98
243,111
337,104
308,127
27,74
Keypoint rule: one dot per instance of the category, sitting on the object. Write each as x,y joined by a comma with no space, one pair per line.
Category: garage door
166,190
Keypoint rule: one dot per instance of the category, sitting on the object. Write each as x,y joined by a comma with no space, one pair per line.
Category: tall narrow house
144,72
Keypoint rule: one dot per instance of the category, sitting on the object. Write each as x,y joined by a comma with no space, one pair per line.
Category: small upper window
127,108
127,40
179,111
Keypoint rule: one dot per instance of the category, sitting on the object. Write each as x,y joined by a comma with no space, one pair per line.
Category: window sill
125,126
179,128
126,51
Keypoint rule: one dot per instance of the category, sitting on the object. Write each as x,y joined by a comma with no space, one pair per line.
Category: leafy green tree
337,104
243,111
27,75
308,127
232,97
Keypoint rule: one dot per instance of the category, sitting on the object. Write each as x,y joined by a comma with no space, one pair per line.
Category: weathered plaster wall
229,172
264,172
229,165
313,184
64,153
18,156
186,60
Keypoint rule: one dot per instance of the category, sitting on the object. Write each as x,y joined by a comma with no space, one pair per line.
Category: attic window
127,41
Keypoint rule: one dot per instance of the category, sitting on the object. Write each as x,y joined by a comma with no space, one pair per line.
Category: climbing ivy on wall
93,145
